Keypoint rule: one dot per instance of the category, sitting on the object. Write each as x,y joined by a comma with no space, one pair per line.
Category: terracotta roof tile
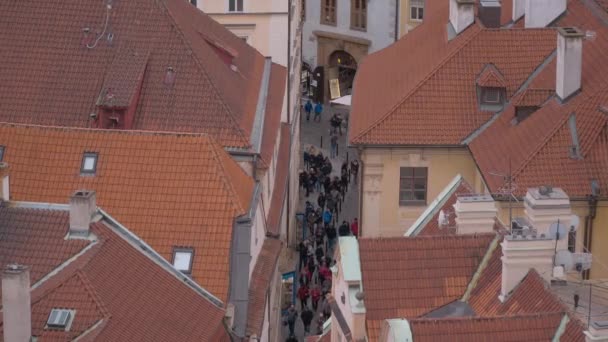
259,286
532,97
112,283
426,272
491,77
170,189
540,327
573,332
50,77
273,219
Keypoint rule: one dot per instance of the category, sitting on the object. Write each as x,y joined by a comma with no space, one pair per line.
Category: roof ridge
431,237
488,318
226,179
202,68
417,87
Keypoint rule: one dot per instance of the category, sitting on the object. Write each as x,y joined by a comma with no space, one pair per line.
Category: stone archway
342,66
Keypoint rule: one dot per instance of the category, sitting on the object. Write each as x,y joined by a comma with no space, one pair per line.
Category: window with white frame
235,5
89,163
416,9
182,259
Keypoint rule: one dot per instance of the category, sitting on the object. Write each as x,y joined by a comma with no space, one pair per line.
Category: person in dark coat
308,109
321,200
306,316
344,229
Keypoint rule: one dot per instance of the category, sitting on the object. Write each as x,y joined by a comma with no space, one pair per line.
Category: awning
344,100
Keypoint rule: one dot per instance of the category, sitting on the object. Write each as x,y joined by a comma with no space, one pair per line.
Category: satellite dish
564,258
582,261
574,223
557,229
442,219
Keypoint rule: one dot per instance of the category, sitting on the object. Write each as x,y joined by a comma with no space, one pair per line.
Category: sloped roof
391,104
118,292
272,120
491,77
49,76
273,219
172,190
261,279
540,327
426,273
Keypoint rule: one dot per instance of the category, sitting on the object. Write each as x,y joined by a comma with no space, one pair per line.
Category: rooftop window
60,319
182,259
89,163
1,152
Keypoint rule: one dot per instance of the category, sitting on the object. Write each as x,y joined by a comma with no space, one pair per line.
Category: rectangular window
303,14
416,9
412,185
193,2
358,14
328,12
572,241
491,96
89,163
235,5
1,153
182,259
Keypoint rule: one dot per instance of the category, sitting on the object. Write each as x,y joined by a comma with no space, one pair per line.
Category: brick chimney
82,208
544,206
16,303
475,214
598,331
540,13
489,13
462,14
569,61
4,182
519,8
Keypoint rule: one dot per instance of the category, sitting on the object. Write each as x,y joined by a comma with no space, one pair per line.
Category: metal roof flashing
349,258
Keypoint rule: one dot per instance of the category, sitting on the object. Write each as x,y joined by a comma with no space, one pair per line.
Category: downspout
289,42
588,237
397,19
360,175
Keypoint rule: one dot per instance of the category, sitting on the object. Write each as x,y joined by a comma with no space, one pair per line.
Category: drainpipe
360,180
588,238
289,42
397,19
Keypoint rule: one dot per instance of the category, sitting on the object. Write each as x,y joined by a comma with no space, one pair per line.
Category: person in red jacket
303,295
315,295
354,228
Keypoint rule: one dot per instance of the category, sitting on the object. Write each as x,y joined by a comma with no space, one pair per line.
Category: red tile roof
170,189
392,104
541,327
426,273
491,77
50,77
259,286
273,219
113,283
432,227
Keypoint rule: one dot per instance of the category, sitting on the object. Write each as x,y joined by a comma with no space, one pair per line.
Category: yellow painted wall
405,23
382,214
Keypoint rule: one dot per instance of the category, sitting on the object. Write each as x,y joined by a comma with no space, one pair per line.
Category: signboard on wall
334,88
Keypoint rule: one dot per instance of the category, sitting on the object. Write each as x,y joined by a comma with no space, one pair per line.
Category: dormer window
2,152
491,96
89,163
60,319
182,259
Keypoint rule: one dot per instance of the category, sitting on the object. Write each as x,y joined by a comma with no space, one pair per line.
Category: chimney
462,14
475,214
16,303
519,8
4,183
82,209
569,61
597,331
544,206
540,13
489,13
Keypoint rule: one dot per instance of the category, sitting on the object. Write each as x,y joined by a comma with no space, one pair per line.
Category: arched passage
343,66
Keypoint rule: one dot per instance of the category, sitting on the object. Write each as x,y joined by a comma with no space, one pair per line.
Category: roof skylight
60,319
89,163
182,259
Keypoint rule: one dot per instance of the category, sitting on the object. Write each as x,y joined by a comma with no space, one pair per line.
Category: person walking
303,249
354,168
327,215
354,227
344,229
308,109
303,295
290,316
318,112
315,295
321,200
334,145
306,316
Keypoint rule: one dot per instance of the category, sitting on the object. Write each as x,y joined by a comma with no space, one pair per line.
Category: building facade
411,14
338,34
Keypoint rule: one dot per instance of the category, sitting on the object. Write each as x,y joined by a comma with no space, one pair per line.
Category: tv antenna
507,189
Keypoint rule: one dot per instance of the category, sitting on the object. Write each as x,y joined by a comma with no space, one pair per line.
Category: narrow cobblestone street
318,135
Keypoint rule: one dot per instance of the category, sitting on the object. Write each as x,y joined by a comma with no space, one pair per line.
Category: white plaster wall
221,6
258,234
381,16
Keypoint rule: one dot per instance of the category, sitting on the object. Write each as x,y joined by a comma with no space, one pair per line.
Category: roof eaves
360,136
434,207
150,253
258,123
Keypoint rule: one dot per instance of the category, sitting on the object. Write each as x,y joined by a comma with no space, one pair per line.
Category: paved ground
313,133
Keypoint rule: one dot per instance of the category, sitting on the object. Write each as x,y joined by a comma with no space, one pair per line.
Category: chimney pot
16,303
489,13
4,182
462,14
540,13
82,208
569,61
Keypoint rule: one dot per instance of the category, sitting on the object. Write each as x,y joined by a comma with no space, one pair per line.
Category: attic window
490,96
523,112
60,319
1,152
89,163
182,259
